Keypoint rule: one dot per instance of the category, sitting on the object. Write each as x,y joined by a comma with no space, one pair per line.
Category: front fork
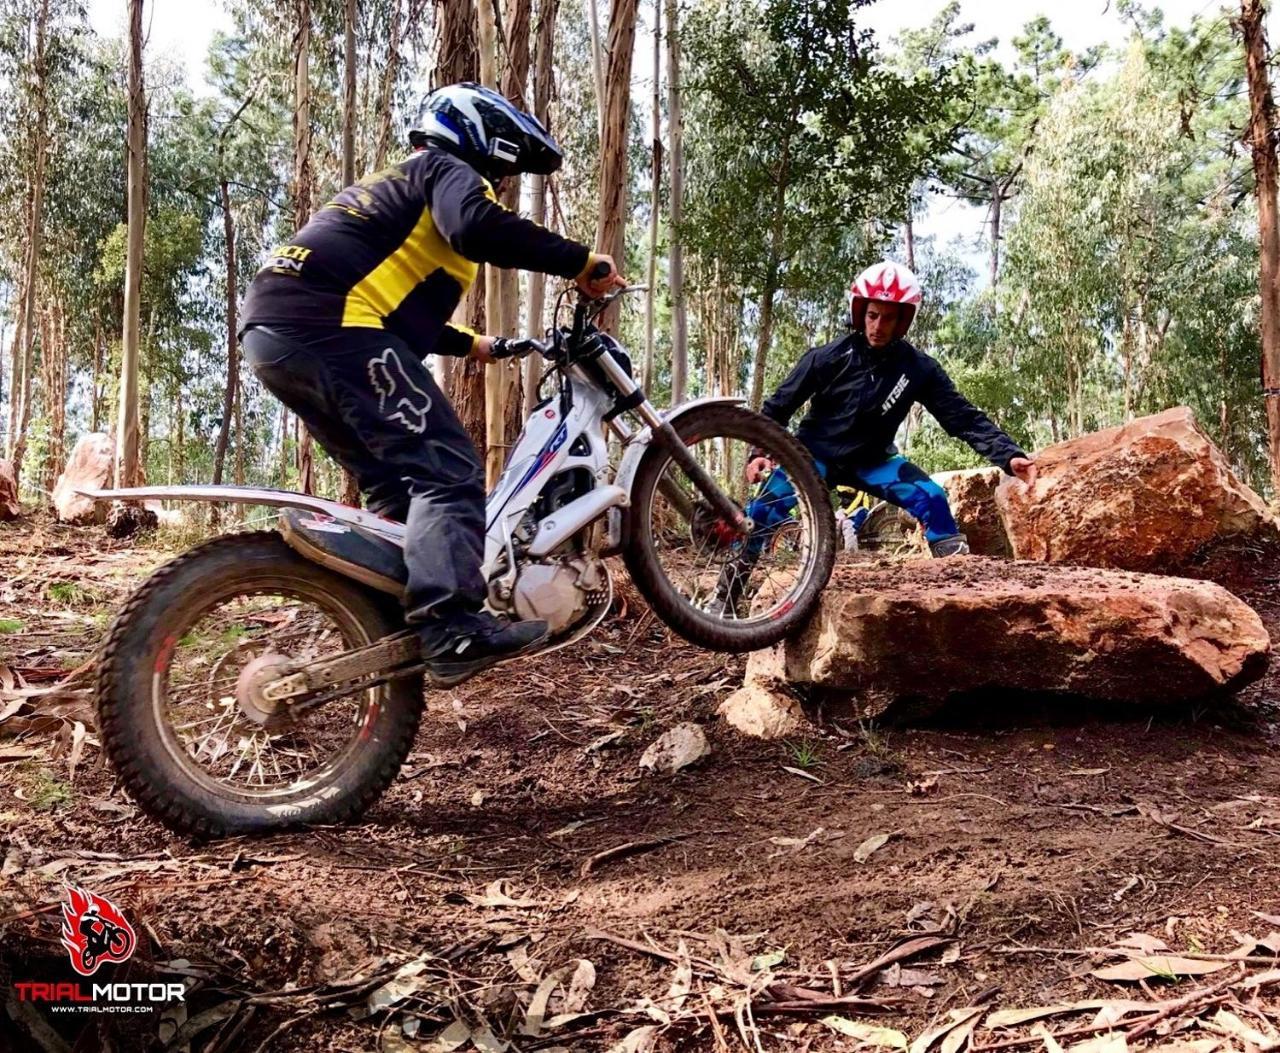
666,436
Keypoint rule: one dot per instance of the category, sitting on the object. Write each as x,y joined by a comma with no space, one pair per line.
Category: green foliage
1128,258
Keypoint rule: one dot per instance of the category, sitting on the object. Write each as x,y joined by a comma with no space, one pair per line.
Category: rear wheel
176,699
712,585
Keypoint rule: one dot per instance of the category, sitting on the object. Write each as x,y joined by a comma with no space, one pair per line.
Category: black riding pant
373,405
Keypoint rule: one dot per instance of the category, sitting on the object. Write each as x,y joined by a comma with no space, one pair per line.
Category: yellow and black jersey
397,250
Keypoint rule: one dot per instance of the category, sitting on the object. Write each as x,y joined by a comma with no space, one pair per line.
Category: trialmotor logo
94,931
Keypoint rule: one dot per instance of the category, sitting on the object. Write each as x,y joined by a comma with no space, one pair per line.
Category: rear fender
252,495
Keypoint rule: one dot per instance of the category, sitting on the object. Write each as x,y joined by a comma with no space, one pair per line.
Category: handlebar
588,309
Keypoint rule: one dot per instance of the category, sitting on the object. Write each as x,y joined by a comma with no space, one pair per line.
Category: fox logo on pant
408,401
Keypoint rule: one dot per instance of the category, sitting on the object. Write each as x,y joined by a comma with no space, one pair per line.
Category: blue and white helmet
481,127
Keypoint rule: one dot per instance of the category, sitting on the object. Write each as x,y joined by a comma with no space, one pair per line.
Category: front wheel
178,716
713,586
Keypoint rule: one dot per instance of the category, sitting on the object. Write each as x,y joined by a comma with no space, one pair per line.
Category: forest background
746,158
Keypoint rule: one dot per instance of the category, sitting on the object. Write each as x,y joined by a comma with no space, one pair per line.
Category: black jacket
860,395
397,250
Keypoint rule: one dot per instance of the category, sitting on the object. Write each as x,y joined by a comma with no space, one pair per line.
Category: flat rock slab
924,630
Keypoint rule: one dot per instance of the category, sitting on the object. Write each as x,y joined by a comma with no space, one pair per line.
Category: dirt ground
862,887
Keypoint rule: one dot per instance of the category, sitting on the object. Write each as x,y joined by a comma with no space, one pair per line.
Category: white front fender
639,442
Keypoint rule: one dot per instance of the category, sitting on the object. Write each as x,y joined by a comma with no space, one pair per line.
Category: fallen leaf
1143,942
486,1041
1270,919
1051,1044
496,895
958,1038
77,748
896,976
872,844
922,787
957,1019
1112,1043
919,911
867,1034
797,843
573,827
1166,966
1087,771
1227,1023
682,981
641,1040
604,740
761,962
580,986
803,774
1015,1017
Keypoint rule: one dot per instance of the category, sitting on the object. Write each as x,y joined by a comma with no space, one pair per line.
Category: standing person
338,321
859,389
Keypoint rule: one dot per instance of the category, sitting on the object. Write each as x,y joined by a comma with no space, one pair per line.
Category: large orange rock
1145,496
927,629
9,507
89,467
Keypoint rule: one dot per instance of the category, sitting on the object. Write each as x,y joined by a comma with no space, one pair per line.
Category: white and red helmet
888,283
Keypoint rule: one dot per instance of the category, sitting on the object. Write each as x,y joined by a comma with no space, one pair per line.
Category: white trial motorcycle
256,682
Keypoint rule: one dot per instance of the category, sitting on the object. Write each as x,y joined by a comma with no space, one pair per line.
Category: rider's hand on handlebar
599,276
507,347
758,468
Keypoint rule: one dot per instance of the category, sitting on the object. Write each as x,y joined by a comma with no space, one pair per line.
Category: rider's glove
504,347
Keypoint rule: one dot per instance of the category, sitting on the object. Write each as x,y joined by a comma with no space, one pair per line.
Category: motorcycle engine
556,592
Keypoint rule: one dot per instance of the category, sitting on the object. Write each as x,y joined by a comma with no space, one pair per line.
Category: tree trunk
95,381
302,184
503,416
675,182
494,408
126,467
771,282
1262,142
458,59
239,412
597,64
53,355
284,446
24,358
542,75
655,192
909,233
386,91
229,393
349,95
997,199
350,494
611,229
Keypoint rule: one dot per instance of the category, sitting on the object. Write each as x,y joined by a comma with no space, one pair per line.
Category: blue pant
896,480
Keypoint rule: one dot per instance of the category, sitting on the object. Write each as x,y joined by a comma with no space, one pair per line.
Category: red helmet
888,283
